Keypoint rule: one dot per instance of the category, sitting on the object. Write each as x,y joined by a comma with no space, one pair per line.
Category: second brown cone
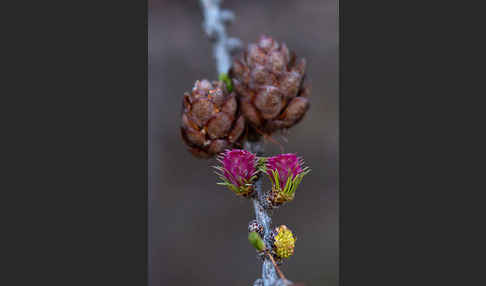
269,80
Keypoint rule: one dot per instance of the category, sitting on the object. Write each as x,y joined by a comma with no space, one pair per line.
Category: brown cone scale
269,80
210,120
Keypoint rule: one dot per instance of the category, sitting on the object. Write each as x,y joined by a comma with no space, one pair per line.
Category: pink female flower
286,172
238,171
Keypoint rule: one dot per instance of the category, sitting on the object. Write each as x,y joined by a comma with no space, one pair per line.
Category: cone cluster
265,89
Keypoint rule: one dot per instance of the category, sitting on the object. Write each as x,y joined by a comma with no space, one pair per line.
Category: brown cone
210,122
269,80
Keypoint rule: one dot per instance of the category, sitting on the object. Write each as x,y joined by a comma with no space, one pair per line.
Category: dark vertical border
370,247
77,143
400,99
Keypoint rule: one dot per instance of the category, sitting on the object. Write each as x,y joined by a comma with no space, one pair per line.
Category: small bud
255,240
225,78
227,16
238,171
286,172
234,45
254,226
284,242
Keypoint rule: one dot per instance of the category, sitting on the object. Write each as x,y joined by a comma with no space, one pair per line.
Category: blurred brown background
198,230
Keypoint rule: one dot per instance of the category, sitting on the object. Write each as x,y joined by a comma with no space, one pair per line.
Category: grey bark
269,274
214,20
214,26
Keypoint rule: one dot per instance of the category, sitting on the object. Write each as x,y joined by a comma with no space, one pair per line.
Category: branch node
227,16
234,44
214,20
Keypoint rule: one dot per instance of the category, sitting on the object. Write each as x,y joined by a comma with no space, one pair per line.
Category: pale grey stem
214,20
269,273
